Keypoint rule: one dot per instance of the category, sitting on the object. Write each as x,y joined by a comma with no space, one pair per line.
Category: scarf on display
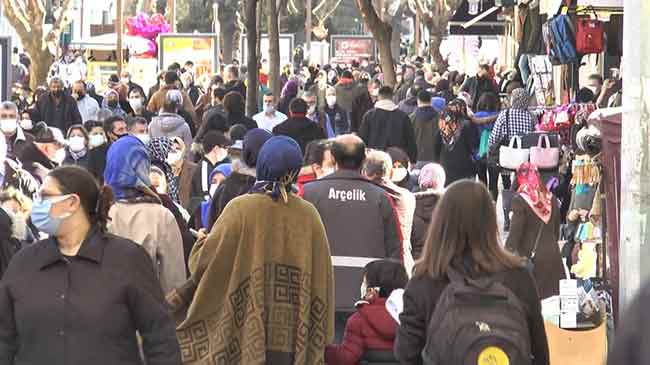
159,149
127,169
278,165
532,189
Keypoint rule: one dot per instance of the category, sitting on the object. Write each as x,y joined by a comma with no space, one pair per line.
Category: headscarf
278,165
159,149
534,191
178,166
438,103
253,142
432,176
290,89
519,99
117,111
127,168
450,125
224,169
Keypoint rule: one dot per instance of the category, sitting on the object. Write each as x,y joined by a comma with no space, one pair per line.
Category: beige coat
154,227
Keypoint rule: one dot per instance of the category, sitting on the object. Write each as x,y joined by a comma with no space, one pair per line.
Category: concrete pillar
634,251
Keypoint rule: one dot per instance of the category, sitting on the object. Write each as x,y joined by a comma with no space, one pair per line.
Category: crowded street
343,182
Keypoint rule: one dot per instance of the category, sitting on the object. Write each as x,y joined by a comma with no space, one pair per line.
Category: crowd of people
169,225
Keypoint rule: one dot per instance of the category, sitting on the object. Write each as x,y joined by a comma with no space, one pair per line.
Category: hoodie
301,129
370,328
171,125
425,127
425,203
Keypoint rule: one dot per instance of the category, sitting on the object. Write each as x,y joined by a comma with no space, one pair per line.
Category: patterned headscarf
278,165
534,192
290,89
450,125
519,99
159,149
432,176
127,168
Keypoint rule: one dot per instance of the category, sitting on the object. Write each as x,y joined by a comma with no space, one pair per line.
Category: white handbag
544,157
513,155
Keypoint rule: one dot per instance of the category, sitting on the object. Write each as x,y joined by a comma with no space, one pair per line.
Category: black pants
489,175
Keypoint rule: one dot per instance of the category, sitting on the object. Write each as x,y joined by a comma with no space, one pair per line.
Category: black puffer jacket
425,203
8,244
302,130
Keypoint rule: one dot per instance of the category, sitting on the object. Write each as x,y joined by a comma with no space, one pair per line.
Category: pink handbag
544,157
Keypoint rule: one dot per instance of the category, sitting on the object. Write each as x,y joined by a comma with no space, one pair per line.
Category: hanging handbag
544,157
513,155
590,35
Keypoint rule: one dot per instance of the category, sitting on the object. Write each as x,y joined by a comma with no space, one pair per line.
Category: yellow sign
493,356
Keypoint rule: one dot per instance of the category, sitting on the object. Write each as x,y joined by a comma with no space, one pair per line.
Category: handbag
590,35
530,261
544,157
513,155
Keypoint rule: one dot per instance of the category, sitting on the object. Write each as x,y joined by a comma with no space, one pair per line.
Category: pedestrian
289,92
61,302
339,117
14,136
88,107
269,117
488,110
233,81
168,123
463,239
215,144
77,149
217,94
456,143
183,170
157,100
425,126
371,330
9,242
360,220
535,229
249,250
318,163
56,108
138,214
410,104
385,126
316,114
139,127
431,182
42,154
138,103
111,104
299,127
234,104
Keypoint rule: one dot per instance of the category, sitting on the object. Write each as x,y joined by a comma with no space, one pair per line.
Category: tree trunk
382,33
229,32
274,48
438,62
41,62
161,6
251,40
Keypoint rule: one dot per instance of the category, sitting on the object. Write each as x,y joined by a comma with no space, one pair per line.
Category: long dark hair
387,274
464,229
95,201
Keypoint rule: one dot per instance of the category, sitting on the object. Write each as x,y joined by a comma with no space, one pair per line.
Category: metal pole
634,248
308,28
215,14
119,29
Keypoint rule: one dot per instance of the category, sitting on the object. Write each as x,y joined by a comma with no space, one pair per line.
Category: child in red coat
371,327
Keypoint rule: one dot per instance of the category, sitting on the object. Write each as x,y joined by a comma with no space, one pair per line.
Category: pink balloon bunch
142,25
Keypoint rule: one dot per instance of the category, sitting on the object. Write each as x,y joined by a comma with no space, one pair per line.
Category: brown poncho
262,288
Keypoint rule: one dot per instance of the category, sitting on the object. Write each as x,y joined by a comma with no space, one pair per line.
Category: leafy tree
435,14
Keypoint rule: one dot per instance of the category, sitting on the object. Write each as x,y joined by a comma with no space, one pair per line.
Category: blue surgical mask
41,217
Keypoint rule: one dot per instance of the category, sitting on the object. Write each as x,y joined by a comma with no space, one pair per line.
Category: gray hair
378,165
9,105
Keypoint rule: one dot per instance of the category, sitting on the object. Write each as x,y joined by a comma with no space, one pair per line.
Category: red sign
352,49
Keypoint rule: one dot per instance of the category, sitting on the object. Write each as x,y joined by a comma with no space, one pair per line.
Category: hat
252,143
43,134
213,139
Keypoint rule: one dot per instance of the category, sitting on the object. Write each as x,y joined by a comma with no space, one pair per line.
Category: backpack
560,38
478,322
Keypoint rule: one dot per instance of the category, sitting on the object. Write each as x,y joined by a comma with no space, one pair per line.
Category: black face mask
112,103
57,93
81,95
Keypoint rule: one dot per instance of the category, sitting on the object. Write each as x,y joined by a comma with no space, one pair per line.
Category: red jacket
302,180
370,328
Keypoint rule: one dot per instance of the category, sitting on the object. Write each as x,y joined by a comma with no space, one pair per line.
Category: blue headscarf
253,142
278,165
127,168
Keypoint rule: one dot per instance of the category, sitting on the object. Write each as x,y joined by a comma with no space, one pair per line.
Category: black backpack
478,322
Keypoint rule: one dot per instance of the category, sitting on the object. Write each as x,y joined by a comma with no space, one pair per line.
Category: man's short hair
171,77
424,96
131,122
219,93
298,105
9,105
315,152
108,122
385,92
233,70
378,164
349,156
213,139
234,103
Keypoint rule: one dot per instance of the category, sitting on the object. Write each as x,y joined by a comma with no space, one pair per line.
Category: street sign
202,49
348,48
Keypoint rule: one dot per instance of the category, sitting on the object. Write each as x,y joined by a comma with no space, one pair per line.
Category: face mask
125,80
41,217
59,156
269,108
96,140
26,124
328,171
112,103
223,153
331,100
77,144
8,126
213,189
80,96
312,109
145,138
173,157
136,103
364,289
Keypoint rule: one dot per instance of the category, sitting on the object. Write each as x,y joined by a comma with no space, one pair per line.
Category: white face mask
26,124
331,100
222,154
136,103
312,109
145,138
364,289
213,189
96,140
327,171
269,108
8,126
173,157
77,143
125,80
59,156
